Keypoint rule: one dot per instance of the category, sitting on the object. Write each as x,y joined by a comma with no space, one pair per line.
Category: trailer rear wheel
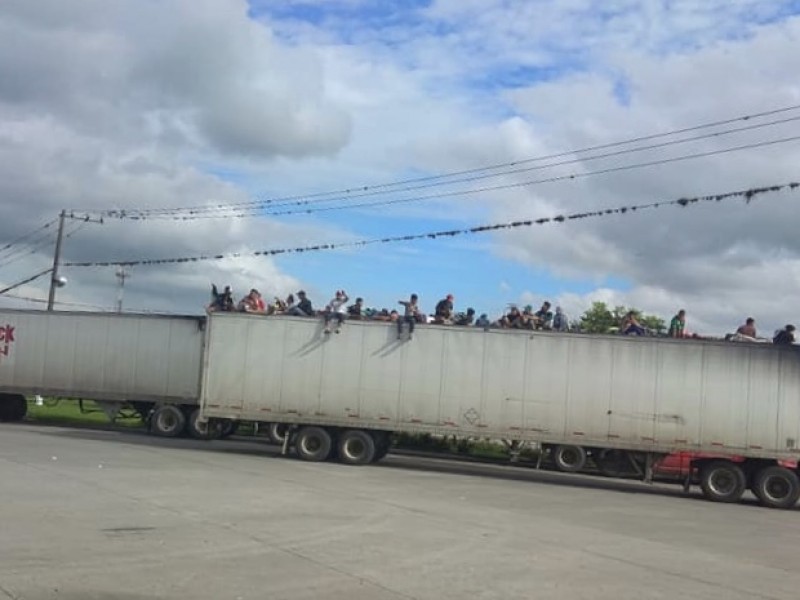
777,487
356,447
313,444
228,428
13,407
168,420
569,459
722,481
203,430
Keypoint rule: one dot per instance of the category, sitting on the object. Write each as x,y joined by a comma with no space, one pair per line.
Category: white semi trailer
625,402
148,362
619,403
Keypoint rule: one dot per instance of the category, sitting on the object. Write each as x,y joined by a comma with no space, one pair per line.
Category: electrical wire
27,250
27,235
747,194
42,243
528,183
24,281
374,189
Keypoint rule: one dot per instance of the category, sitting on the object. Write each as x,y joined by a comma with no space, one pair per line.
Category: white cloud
116,104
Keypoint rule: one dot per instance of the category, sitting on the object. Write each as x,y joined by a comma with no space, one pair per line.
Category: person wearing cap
444,310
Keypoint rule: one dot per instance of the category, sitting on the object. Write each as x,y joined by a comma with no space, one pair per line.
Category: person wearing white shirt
336,309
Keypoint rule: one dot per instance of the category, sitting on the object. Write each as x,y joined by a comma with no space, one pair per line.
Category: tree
600,319
653,323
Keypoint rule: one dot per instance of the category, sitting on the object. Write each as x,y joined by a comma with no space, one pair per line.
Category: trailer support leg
648,468
687,482
285,445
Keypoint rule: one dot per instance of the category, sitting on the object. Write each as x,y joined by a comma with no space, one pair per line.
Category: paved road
104,514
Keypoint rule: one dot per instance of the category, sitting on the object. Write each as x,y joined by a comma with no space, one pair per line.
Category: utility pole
54,281
122,275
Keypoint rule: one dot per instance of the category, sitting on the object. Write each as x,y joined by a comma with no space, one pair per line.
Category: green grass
69,412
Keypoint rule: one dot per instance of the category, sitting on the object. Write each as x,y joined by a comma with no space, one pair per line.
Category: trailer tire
722,481
776,487
313,444
228,428
168,420
13,407
569,459
199,430
356,447
276,432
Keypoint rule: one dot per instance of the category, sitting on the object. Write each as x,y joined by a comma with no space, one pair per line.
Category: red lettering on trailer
6,339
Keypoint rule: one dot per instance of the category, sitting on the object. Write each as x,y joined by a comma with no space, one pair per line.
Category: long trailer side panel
102,356
637,393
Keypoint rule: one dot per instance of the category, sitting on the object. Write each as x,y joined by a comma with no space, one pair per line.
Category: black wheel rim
777,488
355,448
722,482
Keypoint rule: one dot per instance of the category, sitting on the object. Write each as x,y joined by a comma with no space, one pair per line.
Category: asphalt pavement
88,514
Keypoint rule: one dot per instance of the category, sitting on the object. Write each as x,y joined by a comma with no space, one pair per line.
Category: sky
146,105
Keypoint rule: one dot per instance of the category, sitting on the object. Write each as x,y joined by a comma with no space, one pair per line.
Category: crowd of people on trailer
338,310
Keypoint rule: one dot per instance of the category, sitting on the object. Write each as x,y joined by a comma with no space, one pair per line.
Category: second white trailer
620,398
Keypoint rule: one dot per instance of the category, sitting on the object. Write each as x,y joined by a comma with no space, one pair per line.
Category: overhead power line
36,247
439,180
27,235
24,281
747,194
528,183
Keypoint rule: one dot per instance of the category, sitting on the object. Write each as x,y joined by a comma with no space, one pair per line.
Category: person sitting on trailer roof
560,320
221,302
513,319
785,337
748,329
677,327
527,317
336,310
444,311
630,325
356,311
465,319
303,308
543,318
483,321
252,303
